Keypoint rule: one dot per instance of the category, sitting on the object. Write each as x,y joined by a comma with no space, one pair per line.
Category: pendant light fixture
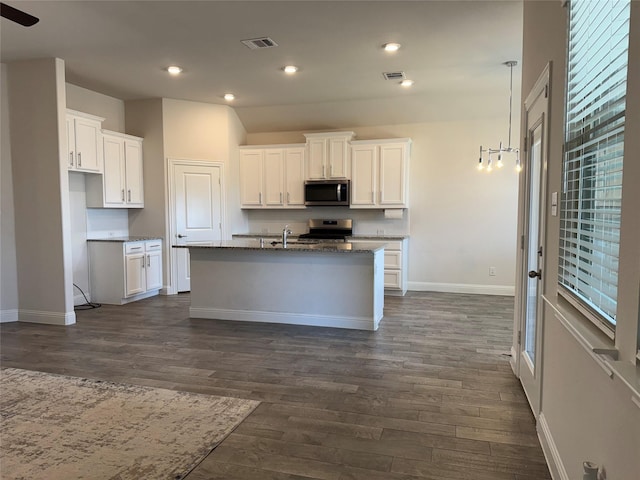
488,163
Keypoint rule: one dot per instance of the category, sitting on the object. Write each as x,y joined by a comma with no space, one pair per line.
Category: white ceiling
453,50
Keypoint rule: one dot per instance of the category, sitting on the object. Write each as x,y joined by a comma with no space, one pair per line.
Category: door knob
181,236
534,274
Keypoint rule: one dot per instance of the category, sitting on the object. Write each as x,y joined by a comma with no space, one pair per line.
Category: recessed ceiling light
406,83
174,70
229,96
391,47
290,69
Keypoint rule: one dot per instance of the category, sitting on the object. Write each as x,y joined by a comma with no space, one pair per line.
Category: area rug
59,427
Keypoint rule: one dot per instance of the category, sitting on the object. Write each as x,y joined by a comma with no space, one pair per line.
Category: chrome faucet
285,232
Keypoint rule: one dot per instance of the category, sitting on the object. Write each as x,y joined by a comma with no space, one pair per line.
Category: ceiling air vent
263,42
393,75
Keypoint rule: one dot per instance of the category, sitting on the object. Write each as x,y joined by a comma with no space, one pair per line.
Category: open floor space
430,395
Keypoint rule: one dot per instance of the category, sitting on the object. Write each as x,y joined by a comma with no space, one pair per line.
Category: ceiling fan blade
17,16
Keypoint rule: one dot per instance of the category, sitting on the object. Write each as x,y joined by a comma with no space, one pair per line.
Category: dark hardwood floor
429,396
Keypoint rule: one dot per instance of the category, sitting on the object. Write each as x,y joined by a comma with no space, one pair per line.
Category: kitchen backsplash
107,222
365,222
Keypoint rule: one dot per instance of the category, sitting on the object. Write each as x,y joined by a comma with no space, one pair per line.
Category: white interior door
197,212
531,315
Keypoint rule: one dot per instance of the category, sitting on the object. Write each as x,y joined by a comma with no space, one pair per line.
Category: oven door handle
339,192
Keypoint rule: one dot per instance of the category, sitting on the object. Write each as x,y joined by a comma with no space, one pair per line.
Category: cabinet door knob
181,236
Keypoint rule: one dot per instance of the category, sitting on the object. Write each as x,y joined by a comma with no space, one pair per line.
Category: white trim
7,316
358,323
513,360
49,318
506,290
551,453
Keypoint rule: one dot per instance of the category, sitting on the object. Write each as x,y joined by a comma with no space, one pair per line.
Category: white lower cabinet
122,272
395,264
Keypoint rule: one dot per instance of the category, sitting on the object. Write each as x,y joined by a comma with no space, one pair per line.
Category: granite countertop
292,246
355,237
379,237
123,239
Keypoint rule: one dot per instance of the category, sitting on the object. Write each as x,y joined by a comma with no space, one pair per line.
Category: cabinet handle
280,197
71,159
135,248
288,197
128,195
323,170
123,194
331,169
148,260
372,199
79,159
260,198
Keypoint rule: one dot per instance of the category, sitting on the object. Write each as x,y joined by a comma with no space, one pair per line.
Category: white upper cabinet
294,177
121,185
272,177
84,148
379,177
251,174
328,155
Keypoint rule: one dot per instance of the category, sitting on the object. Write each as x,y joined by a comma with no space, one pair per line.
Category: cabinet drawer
153,245
134,247
393,245
392,279
392,259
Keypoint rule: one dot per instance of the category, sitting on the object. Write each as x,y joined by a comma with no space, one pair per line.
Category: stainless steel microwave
326,192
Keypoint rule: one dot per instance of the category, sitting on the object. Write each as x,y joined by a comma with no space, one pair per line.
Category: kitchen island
329,285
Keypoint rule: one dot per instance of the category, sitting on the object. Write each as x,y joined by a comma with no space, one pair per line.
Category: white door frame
170,222
539,92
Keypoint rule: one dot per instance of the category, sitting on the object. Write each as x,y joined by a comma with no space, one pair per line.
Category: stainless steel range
328,230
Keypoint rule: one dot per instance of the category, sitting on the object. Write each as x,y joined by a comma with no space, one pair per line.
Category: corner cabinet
379,173
84,138
328,155
123,272
121,185
272,177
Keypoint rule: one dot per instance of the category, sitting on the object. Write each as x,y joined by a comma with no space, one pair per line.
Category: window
593,157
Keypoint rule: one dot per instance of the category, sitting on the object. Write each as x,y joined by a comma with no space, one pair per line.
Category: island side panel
304,288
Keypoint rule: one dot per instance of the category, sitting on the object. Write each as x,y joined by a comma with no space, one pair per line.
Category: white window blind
592,169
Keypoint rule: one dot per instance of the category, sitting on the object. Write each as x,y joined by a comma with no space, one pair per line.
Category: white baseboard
7,316
505,290
358,323
551,453
49,318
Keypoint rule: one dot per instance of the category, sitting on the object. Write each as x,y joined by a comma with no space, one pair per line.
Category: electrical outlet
492,271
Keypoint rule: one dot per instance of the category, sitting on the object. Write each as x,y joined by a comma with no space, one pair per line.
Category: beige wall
461,221
40,186
586,414
88,101
8,269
